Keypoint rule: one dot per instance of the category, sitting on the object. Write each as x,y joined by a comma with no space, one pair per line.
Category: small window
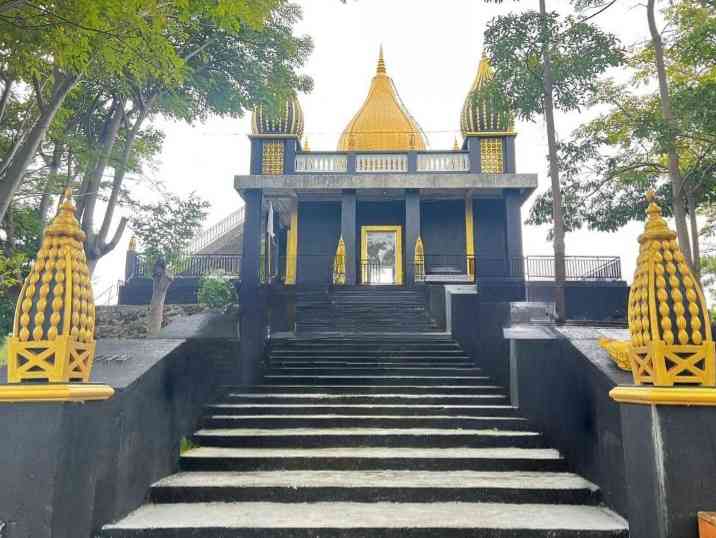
491,161
272,159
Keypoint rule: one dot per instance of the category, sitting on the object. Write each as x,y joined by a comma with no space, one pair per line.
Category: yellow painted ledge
648,395
54,392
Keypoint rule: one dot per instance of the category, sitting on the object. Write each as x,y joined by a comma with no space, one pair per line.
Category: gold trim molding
648,395
54,392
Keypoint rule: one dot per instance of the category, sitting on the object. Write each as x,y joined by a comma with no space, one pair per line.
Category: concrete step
331,422
375,486
418,410
373,458
320,380
359,520
376,437
372,370
490,395
361,363
486,389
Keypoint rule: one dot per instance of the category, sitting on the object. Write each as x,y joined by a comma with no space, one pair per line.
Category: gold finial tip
651,196
381,61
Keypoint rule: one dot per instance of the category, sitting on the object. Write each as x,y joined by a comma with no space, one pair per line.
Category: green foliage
610,162
216,291
164,229
579,53
3,350
12,269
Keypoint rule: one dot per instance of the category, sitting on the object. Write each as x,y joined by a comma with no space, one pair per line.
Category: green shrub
216,291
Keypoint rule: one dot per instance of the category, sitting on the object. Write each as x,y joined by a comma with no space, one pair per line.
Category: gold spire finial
656,227
381,62
132,244
455,145
306,147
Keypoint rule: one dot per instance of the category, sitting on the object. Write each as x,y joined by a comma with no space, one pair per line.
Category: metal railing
192,265
576,267
221,228
322,163
382,163
443,162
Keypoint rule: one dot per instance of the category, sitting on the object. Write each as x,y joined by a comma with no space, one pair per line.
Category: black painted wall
69,468
319,228
595,300
565,395
491,241
442,228
138,291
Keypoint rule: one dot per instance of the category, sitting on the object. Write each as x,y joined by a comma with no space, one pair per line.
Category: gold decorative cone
671,341
480,115
339,264
53,332
419,260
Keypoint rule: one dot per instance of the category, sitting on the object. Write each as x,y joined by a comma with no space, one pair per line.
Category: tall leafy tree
47,47
610,161
547,63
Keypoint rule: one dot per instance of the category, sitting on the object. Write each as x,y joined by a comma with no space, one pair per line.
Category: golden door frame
398,230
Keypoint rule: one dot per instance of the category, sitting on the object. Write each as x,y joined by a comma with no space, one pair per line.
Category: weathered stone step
392,437
359,409
359,520
331,422
361,363
485,389
449,353
372,370
373,458
320,380
487,396
375,486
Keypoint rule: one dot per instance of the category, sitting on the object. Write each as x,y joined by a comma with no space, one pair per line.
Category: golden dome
287,120
382,123
480,114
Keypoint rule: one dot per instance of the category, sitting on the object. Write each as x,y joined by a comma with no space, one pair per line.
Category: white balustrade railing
211,234
318,162
381,163
443,162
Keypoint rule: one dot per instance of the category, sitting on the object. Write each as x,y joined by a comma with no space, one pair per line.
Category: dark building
387,196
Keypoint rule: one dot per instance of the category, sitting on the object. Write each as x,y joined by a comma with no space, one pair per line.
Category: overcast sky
432,49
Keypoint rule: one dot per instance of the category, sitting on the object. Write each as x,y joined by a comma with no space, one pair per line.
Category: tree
549,63
164,230
610,161
46,48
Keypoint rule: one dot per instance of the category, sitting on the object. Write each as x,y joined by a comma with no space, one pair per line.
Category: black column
412,232
348,231
252,319
513,229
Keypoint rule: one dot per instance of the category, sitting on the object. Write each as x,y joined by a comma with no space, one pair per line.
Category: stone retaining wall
130,321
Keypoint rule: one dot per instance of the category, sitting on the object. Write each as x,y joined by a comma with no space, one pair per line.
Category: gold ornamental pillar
52,348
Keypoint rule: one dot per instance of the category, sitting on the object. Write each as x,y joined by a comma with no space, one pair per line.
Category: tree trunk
16,171
696,250
93,244
682,230
53,170
5,98
161,280
558,239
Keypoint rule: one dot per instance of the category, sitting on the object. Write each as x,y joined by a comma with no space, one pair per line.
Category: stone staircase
391,436
362,309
